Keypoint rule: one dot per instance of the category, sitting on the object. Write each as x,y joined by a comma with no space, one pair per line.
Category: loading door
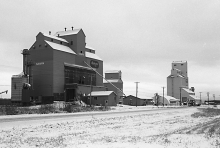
70,95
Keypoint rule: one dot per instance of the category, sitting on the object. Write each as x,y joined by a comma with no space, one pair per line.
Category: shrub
11,110
68,108
45,109
206,112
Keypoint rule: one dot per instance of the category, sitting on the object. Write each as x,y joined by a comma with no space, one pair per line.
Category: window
71,43
81,51
174,65
95,98
51,40
40,45
80,76
181,64
61,42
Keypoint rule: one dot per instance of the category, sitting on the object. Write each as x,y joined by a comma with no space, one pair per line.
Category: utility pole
208,98
200,98
163,95
91,91
136,91
180,97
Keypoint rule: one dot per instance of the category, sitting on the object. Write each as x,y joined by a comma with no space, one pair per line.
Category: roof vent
72,28
65,29
49,32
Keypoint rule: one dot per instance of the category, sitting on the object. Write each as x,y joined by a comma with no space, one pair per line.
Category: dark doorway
70,95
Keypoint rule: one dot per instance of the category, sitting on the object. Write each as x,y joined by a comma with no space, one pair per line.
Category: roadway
7,122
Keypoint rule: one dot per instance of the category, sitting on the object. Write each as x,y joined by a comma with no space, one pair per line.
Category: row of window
175,65
79,76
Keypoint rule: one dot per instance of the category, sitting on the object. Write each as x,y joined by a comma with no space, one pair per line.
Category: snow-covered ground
158,129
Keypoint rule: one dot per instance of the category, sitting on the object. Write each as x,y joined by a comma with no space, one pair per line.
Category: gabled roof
113,81
101,93
194,97
171,76
78,66
188,90
54,37
133,97
169,98
113,71
68,32
89,48
60,47
92,56
180,76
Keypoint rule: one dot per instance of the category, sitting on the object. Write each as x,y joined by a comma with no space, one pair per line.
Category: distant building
134,101
114,77
178,82
166,101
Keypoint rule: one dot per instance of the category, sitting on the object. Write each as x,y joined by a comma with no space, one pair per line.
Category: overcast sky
139,37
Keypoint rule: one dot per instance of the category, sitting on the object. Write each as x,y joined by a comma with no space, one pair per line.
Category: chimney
49,32
58,34
72,28
65,29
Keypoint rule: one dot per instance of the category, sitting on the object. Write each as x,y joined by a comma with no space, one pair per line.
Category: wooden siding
58,69
16,88
42,74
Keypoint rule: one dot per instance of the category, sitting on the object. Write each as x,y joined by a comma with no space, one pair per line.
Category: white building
113,77
178,82
166,100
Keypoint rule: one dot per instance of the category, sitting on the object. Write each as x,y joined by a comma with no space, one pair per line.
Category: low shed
103,98
134,101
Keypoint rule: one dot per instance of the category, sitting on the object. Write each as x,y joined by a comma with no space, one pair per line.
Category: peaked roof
194,97
68,32
101,93
78,66
60,47
54,37
113,71
188,90
134,97
92,56
89,48
113,81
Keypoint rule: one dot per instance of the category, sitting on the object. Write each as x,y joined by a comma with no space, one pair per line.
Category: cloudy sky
139,37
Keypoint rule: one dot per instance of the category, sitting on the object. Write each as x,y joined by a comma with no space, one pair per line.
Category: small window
174,65
51,40
95,98
81,51
181,64
71,43
61,42
40,45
